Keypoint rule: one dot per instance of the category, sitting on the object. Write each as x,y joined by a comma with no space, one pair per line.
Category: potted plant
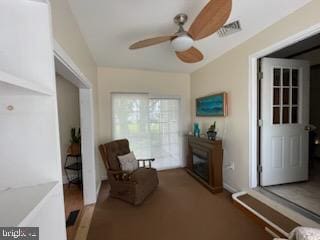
211,133
75,142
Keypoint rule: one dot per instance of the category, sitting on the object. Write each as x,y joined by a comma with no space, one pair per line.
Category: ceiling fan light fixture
182,43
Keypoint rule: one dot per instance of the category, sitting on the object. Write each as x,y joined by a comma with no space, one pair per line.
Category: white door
285,119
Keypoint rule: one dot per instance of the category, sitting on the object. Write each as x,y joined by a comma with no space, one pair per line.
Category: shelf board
10,84
76,181
75,166
16,204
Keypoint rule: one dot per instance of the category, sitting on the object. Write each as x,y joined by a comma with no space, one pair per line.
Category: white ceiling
110,26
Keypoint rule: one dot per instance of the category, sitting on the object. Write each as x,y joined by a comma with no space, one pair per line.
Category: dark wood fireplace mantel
204,162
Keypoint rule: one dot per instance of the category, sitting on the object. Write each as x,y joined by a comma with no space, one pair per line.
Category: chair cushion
114,149
128,162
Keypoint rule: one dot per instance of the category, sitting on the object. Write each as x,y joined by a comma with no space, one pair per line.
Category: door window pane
286,77
276,76
285,96
295,77
294,115
285,115
276,115
276,96
294,95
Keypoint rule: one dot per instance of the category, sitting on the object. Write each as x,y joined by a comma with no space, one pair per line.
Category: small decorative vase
212,135
196,130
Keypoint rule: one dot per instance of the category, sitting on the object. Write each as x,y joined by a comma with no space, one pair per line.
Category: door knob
307,128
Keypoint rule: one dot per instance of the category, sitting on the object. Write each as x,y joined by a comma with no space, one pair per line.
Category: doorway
288,133
76,197
70,148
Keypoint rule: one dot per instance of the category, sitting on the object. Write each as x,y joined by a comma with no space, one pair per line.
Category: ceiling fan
211,18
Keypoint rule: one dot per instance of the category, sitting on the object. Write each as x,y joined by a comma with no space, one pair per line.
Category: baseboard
98,189
170,168
229,188
65,179
104,177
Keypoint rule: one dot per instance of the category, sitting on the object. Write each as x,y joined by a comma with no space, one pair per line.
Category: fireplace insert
201,165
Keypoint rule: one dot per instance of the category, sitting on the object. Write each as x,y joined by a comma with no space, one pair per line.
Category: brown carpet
180,208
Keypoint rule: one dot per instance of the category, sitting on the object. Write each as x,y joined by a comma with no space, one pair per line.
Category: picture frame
212,106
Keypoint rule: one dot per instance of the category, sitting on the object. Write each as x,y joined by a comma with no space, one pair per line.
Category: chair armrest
144,161
121,175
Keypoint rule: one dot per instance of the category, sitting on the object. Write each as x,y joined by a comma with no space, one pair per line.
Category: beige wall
67,33
230,73
156,83
69,114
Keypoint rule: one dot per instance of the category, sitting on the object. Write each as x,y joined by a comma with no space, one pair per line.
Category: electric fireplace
204,162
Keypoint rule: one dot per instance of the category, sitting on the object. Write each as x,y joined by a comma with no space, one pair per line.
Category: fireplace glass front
201,165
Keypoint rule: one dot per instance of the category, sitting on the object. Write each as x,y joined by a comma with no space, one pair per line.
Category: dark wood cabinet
204,162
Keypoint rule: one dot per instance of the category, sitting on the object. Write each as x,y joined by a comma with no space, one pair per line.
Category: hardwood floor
83,227
73,200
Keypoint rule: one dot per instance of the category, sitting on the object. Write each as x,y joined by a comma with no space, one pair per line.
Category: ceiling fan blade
192,55
150,42
212,17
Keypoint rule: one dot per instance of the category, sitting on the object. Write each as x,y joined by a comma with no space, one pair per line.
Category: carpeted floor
180,208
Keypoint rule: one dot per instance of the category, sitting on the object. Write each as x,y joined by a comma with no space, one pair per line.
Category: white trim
229,188
68,69
98,189
253,90
253,125
79,79
235,198
103,177
88,146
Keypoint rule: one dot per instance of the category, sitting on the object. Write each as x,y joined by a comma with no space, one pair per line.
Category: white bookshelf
34,206
31,192
12,85
20,203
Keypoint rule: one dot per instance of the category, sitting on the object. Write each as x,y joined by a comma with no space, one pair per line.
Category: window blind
151,125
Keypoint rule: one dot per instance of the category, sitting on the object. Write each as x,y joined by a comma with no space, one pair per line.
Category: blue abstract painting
214,105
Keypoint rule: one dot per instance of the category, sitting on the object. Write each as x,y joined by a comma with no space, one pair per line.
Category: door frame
253,97
65,66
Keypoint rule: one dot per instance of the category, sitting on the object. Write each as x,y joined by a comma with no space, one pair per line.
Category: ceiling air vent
229,29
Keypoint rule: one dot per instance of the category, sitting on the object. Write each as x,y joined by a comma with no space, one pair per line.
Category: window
151,125
285,96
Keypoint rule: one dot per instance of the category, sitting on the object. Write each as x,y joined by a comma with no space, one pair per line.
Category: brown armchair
131,187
